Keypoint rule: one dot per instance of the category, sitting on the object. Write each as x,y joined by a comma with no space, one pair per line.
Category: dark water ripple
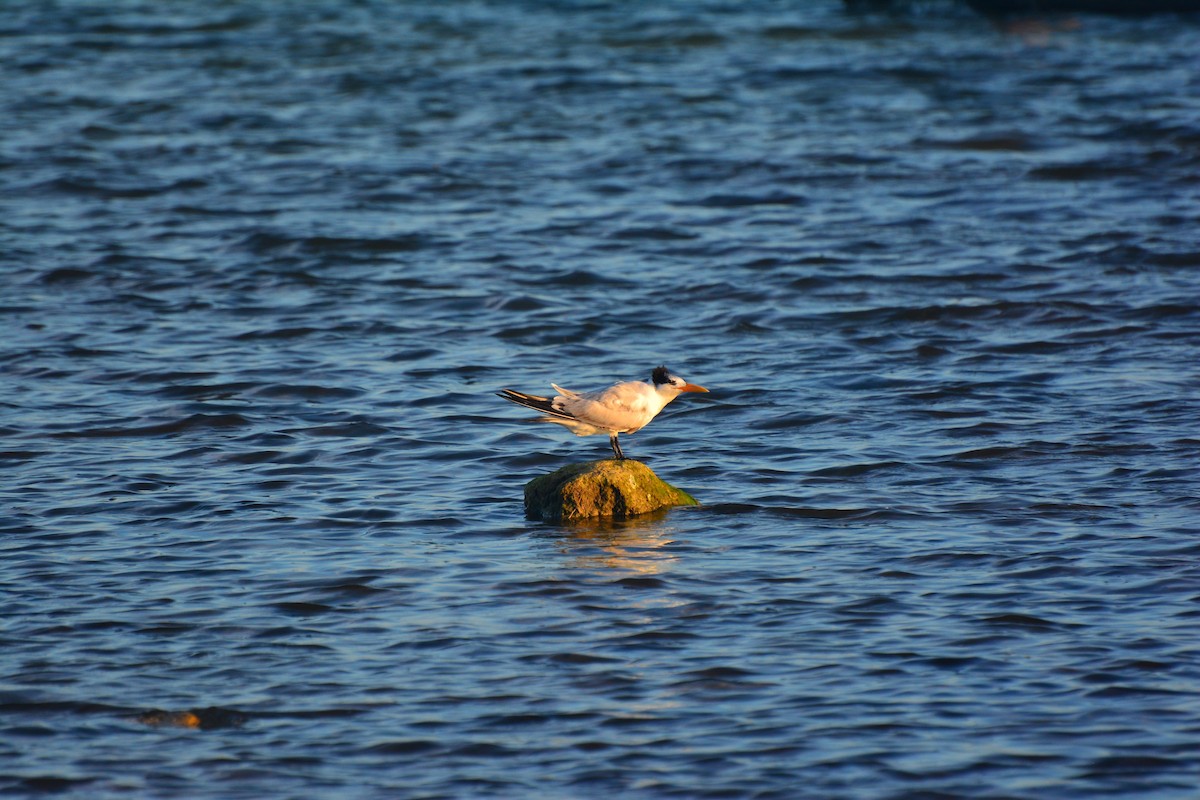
263,266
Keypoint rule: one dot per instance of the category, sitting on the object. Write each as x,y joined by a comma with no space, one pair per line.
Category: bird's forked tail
544,405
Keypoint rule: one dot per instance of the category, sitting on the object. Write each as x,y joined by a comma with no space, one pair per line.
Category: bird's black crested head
660,376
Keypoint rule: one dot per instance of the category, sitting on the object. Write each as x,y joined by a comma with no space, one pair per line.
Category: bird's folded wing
616,413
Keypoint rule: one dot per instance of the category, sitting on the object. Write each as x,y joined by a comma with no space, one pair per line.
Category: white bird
621,408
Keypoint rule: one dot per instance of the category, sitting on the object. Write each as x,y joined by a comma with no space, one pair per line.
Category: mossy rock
612,488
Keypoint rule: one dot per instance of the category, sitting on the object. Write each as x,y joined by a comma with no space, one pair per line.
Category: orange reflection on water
635,545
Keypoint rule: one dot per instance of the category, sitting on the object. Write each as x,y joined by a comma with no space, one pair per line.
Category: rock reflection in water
640,545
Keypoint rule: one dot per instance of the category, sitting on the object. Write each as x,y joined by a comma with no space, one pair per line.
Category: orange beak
691,387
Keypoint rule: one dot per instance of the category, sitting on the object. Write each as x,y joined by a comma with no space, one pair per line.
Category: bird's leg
616,446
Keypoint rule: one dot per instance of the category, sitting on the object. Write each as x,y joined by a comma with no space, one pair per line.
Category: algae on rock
610,488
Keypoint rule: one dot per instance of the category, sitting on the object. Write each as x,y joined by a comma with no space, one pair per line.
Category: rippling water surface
263,265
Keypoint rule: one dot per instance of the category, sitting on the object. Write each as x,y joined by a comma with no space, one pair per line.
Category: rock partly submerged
614,489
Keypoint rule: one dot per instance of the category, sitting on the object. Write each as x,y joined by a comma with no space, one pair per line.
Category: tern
621,408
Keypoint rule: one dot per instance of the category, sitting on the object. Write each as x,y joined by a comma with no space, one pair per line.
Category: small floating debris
197,719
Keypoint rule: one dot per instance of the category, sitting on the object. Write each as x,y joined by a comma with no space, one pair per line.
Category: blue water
263,266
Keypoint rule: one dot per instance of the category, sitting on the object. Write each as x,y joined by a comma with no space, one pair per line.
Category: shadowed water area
263,265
